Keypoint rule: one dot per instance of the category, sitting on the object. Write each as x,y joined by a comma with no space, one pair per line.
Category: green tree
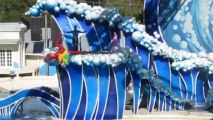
13,10
127,7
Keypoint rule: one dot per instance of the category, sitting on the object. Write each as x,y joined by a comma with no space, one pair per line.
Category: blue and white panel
145,57
151,21
120,79
163,71
76,88
189,82
91,82
64,26
129,42
65,90
210,81
176,87
199,87
83,104
136,80
152,98
104,82
91,34
52,108
181,25
112,102
9,105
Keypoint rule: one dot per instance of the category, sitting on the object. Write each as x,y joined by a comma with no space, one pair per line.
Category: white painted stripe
156,71
149,82
86,95
80,94
170,80
193,86
204,91
122,39
60,94
22,97
149,55
116,87
136,49
107,94
151,95
154,99
52,111
57,24
96,102
69,77
51,95
97,35
196,87
62,32
140,96
131,79
158,101
97,106
125,91
19,102
184,83
79,24
210,87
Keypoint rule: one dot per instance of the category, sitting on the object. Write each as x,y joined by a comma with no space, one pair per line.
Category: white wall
12,38
22,49
15,54
29,82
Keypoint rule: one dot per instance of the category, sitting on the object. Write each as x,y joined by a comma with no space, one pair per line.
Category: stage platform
172,115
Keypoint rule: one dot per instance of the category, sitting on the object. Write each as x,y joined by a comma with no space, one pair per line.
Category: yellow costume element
61,56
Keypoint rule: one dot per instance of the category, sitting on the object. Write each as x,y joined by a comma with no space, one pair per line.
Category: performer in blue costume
75,33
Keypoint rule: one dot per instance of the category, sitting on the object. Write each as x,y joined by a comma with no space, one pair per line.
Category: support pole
46,40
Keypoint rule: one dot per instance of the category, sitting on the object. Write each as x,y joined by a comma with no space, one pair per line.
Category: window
9,57
2,57
6,58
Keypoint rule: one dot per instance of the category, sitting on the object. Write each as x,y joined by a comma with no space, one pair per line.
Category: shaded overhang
9,37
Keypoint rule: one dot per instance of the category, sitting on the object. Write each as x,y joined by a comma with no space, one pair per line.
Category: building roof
12,27
10,32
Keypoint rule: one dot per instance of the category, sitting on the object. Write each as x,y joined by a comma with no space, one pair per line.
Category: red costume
61,49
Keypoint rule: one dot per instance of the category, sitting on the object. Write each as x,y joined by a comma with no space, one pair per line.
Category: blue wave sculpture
93,83
8,106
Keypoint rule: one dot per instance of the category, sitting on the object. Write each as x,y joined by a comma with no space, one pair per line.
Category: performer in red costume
113,41
61,50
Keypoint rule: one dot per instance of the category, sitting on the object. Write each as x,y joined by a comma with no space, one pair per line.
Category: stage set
169,58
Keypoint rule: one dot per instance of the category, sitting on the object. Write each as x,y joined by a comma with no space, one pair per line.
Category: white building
19,55
13,60
12,46
21,59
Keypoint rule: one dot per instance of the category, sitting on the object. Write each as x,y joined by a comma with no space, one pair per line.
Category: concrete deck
31,67
28,82
172,115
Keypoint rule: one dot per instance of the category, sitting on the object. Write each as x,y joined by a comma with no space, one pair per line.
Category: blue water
32,117
187,25
32,109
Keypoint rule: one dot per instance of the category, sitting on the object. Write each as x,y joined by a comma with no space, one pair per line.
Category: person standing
75,34
113,41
